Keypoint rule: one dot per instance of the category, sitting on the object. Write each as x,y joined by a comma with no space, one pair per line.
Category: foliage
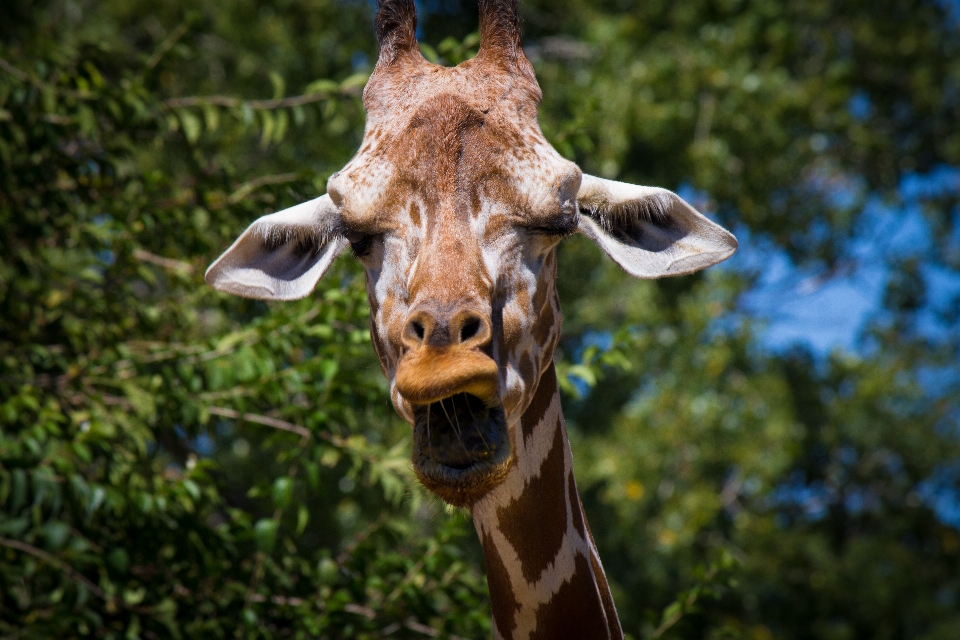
179,463
175,462
785,119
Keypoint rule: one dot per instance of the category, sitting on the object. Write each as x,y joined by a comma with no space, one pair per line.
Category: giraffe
455,204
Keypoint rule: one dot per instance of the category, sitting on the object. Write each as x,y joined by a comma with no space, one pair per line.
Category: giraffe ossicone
454,204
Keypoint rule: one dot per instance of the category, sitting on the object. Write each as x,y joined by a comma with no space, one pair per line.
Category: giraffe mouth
460,447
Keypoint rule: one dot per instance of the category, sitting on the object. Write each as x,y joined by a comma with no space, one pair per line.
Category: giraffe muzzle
430,374
461,446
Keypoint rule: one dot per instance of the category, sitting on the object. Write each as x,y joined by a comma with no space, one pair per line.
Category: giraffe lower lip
458,440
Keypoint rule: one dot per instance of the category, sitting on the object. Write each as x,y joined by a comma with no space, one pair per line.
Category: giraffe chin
461,448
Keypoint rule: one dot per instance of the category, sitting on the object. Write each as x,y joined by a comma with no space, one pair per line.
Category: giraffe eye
557,228
360,243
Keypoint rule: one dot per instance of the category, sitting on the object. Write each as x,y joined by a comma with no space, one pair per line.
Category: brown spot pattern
442,146
526,367
539,508
448,150
541,295
545,325
575,610
541,401
502,600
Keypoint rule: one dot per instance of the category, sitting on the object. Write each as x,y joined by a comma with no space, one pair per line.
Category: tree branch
687,602
251,185
166,45
60,564
160,261
267,421
16,73
229,101
25,77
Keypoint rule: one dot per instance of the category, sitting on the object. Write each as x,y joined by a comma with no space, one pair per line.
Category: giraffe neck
543,570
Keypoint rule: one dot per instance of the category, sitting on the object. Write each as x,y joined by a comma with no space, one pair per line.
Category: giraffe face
454,205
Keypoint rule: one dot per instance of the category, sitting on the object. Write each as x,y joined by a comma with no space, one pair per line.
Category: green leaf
19,490
119,560
142,401
329,369
282,492
96,499
322,86
267,123
354,83
192,488
134,595
191,125
303,516
88,121
283,121
429,53
584,372
279,86
211,117
671,610
57,533
246,113
94,74
15,526
265,534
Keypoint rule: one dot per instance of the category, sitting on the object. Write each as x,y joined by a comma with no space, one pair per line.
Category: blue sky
830,311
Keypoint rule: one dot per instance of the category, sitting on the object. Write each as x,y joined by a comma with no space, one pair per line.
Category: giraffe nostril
418,329
469,329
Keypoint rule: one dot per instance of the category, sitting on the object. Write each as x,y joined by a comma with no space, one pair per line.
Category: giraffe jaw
461,448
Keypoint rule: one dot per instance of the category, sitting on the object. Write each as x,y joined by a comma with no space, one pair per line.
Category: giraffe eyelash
558,229
361,248
360,243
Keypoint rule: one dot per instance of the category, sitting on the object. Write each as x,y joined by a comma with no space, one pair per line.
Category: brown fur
453,185
546,388
540,508
454,204
573,613
503,601
396,28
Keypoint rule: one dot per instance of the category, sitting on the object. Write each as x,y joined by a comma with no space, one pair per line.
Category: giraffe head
454,204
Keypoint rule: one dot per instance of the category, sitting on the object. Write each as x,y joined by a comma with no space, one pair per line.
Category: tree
174,462
791,121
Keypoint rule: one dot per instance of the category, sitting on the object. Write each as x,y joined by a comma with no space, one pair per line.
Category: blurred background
768,449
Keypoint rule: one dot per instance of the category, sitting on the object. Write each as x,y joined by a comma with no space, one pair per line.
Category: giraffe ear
281,256
648,231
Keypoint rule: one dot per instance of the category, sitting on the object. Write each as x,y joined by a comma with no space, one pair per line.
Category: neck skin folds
543,570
